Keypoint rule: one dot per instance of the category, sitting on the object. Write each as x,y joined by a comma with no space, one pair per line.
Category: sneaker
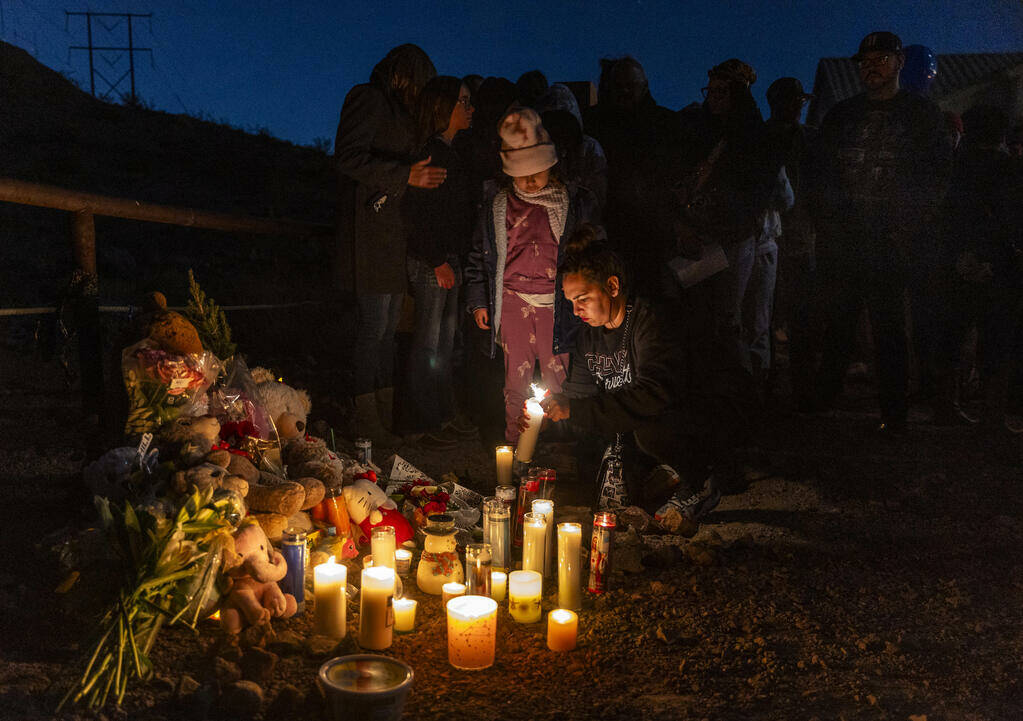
682,514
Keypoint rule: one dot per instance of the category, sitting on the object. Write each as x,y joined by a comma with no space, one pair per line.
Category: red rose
434,507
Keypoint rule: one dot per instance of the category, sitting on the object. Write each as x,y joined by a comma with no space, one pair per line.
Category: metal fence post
90,340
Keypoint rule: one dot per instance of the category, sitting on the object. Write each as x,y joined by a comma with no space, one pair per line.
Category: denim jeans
373,351
758,305
428,402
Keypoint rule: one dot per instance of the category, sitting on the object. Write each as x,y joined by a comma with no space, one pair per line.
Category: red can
600,551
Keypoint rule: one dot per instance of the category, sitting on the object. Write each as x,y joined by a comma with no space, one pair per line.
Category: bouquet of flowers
425,498
162,385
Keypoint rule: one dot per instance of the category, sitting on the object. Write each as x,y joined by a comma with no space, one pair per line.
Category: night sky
286,65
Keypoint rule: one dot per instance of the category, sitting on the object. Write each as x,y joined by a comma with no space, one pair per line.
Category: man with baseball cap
878,171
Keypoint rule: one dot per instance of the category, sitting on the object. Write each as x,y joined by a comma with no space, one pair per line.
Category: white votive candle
404,614
498,585
525,589
403,561
562,628
331,615
382,546
449,590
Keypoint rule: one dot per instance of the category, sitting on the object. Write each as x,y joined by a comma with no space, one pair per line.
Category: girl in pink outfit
512,288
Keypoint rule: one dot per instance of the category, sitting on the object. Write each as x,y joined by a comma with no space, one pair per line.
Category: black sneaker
685,512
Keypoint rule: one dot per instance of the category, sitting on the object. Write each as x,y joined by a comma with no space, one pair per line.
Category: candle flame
539,393
561,615
215,616
331,559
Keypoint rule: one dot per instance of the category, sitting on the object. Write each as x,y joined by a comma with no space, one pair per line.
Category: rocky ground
849,579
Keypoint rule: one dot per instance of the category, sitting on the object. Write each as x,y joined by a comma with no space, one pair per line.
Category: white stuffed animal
288,407
369,506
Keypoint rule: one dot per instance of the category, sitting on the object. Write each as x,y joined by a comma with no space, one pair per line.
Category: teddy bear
256,568
188,438
206,475
288,407
368,506
170,331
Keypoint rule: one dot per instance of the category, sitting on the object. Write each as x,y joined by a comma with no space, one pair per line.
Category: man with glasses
877,176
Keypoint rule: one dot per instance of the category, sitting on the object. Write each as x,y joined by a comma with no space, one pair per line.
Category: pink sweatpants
527,334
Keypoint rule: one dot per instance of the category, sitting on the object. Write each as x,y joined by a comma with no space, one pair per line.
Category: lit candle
497,532
570,538
331,614
450,590
546,507
477,569
382,546
404,615
562,626
376,608
403,561
524,591
534,412
472,632
498,585
505,456
534,541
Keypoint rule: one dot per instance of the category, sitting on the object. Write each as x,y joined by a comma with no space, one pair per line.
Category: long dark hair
588,254
434,106
403,72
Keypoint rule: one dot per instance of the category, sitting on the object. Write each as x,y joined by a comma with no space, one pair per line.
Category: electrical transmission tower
130,49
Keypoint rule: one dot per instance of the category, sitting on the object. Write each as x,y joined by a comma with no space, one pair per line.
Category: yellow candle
376,609
329,586
472,632
546,507
498,585
524,591
404,614
527,441
570,536
505,456
562,626
534,541
450,590
382,546
403,561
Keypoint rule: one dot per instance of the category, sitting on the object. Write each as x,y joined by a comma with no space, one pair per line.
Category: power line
130,49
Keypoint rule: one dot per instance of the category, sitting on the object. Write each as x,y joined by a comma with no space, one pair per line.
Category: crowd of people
643,261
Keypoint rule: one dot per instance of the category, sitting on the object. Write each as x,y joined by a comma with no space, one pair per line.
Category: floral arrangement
426,498
161,385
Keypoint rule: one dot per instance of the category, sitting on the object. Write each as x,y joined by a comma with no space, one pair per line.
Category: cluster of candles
471,607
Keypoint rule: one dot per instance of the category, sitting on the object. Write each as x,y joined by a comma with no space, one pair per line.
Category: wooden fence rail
83,208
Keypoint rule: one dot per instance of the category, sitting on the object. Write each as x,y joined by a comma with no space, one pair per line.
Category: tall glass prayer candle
525,589
570,538
497,532
498,585
600,551
527,440
548,479
382,546
504,457
294,551
404,615
529,489
472,632
507,495
376,611
562,628
477,569
330,616
534,542
449,590
546,507
403,561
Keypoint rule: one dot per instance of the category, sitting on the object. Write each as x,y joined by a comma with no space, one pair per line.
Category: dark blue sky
286,65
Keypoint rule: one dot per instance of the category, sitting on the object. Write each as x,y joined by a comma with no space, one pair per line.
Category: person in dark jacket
580,158
982,255
438,225
512,288
878,173
373,153
642,144
629,378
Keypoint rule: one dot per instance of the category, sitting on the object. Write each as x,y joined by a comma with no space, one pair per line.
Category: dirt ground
851,578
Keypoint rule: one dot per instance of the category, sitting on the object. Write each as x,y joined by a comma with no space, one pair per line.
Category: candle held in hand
534,412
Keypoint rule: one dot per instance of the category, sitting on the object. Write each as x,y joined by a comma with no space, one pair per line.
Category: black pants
795,305
847,288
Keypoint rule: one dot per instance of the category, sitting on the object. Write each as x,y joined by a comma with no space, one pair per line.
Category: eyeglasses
465,101
874,62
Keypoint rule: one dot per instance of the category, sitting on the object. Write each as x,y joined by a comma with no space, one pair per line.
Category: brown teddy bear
170,331
188,438
255,597
206,475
